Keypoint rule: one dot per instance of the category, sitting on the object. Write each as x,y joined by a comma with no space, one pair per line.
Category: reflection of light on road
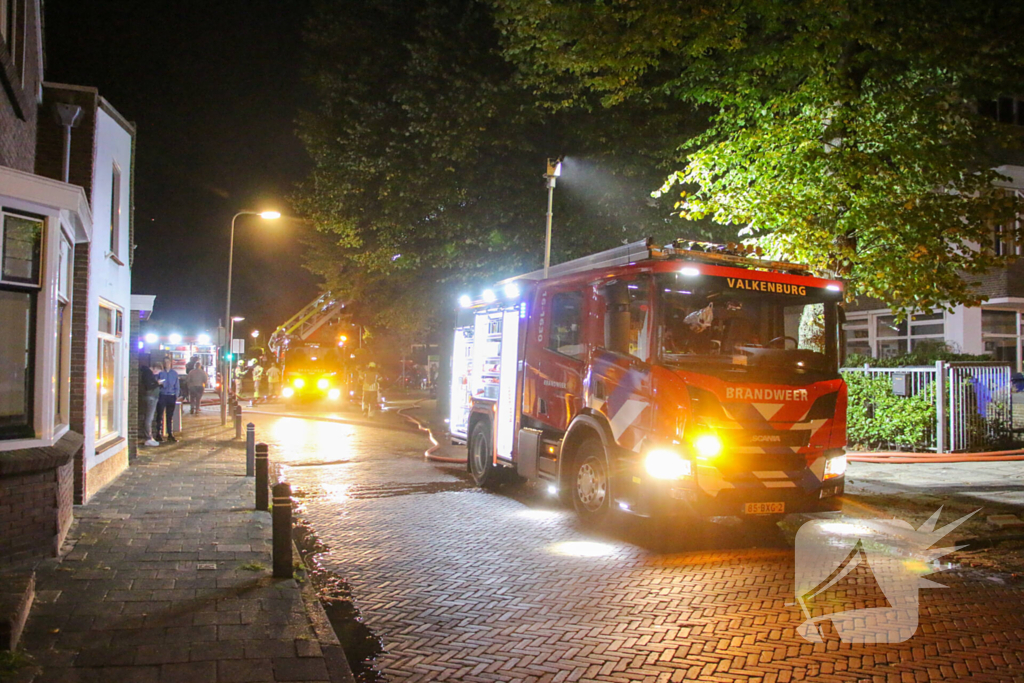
917,567
298,438
335,493
539,514
845,529
582,549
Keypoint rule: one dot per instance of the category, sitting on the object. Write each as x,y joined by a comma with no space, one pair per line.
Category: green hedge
876,418
925,354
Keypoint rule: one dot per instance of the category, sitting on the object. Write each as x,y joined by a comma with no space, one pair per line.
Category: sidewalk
167,579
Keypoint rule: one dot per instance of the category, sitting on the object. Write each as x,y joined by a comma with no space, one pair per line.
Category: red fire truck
683,380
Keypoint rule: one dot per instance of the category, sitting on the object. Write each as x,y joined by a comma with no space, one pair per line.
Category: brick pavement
462,584
167,579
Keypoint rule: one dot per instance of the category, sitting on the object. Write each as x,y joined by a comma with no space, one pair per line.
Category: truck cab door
619,388
554,375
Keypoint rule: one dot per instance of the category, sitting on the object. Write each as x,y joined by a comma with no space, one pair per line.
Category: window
1000,331
17,360
12,30
880,336
22,241
115,212
108,381
566,319
20,244
62,356
627,317
1004,110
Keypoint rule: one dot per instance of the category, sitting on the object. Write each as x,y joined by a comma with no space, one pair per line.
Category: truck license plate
763,508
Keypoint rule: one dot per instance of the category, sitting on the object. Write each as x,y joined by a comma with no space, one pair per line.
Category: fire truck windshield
747,324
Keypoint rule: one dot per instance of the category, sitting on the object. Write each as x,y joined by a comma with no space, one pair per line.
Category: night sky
214,89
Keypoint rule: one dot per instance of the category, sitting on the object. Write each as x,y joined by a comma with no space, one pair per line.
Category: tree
428,154
843,133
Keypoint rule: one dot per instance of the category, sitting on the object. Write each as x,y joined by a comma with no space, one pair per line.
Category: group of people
160,390
266,379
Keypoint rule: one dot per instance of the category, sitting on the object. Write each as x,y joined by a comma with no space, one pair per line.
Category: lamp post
554,170
266,215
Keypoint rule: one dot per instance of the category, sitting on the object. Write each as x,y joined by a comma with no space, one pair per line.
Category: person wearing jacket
197,381
169,388
149,389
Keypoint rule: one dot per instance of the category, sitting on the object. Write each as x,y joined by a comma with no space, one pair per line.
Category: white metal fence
971,401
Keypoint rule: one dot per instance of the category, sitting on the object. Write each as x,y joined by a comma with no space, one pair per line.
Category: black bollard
238,422
282,531
250,450
262,475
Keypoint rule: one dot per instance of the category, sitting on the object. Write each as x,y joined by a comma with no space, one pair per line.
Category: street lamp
554,170
255,334
265,215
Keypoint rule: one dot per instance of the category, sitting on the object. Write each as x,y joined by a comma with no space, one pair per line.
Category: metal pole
262,475
250,450
547,232
227,315
940,406
282,531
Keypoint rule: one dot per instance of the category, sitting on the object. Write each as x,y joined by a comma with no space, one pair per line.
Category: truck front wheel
481,456
591,483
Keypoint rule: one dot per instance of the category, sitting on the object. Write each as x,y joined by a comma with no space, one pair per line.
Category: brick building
65,250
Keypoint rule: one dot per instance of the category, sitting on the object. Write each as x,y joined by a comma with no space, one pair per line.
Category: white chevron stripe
627,414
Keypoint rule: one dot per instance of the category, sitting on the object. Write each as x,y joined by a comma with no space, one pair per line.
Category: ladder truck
688,380
311,371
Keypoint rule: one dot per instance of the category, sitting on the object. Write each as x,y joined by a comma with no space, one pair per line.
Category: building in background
66,165
101,156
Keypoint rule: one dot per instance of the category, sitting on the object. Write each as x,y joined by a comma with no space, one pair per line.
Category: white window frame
985,336
46,432
117,390
61,384
115,213
858,320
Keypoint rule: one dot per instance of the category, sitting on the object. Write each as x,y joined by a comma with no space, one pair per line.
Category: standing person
257,381
239,376
197,381
274,380
149,389
370,380
169,388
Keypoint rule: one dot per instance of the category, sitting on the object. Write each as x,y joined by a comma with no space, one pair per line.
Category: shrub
924,354
877,418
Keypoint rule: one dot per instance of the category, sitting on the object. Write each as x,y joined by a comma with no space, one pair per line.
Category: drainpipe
68,115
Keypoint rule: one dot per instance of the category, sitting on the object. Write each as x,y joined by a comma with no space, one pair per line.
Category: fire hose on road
429,453
898,458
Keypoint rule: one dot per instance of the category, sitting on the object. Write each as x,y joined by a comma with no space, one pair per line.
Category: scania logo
770,438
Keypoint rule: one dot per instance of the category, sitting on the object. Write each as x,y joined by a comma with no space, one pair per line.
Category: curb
334,655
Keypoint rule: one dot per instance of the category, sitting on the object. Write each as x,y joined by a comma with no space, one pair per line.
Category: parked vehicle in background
312,372
690,380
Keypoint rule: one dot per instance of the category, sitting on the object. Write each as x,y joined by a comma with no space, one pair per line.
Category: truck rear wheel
481,456
591,483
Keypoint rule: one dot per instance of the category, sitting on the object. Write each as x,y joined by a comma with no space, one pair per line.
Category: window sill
111,442
115,258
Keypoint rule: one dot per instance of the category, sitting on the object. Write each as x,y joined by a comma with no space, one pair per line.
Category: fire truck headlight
334,394
323,383
835,466
298,382
707,446
662,463
287,392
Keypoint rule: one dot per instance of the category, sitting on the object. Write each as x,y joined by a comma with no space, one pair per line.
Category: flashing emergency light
512,290
707,446
689,271
832,288
465,301
323,383
151,338
287,392
174,338
662,463
334,394
489,296
343,338
298,382
203,339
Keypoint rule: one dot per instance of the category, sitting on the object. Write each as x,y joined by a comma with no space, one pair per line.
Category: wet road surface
464,584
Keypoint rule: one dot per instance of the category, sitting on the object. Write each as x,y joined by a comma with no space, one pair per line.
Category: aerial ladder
303,324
